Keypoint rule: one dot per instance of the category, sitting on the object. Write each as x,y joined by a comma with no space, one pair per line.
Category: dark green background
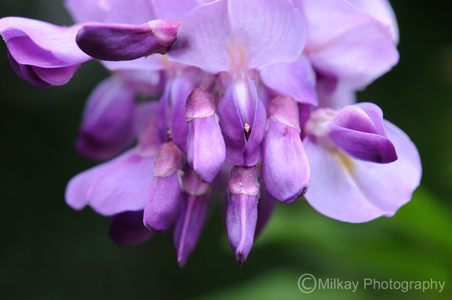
49,251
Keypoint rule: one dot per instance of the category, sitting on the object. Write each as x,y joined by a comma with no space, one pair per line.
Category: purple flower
238,82
369,166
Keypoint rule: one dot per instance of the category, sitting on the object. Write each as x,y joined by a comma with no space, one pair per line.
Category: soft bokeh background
49,251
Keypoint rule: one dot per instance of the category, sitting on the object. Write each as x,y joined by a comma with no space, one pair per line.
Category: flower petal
292,79
127,228
41,44
113,187
356,191
354,133
88,10
347,43
268,31
189,225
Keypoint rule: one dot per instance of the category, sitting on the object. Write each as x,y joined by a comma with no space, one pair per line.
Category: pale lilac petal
285,167
375,114
88,10
127,228
108,124
382,10
360,191
205,144
173,9
134,12
113,187
41,44
202,38
116,42
223,35
292,79
264,36
347,43
189,225
333,92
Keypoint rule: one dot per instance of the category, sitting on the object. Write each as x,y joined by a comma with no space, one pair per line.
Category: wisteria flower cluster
257,105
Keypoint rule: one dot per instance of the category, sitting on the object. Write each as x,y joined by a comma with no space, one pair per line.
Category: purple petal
202,38
292,79
354,133
245,34
29,74
382,10
355,191
116,42
127,228
347,43
56,76
173,9
41,44
113,187
108,125
285,167
206,148
189,225
134,12
88,10
333,92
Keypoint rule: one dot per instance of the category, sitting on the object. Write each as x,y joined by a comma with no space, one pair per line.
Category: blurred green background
49,251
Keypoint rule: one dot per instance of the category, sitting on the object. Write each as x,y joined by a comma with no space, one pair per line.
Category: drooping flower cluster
256,98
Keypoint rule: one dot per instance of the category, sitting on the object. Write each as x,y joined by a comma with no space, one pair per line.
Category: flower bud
206,150
285,167
162,205
241,214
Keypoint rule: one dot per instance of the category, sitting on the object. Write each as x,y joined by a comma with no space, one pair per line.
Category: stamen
247,131
170,135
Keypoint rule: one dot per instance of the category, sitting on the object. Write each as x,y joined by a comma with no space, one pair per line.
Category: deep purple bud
241,214
127,228
358,131
206,150
116,42
192,215
108,125
285,167
162,205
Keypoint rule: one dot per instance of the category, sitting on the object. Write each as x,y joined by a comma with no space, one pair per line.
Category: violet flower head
238,83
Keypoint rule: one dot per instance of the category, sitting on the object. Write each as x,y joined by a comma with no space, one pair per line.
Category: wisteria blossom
256,105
